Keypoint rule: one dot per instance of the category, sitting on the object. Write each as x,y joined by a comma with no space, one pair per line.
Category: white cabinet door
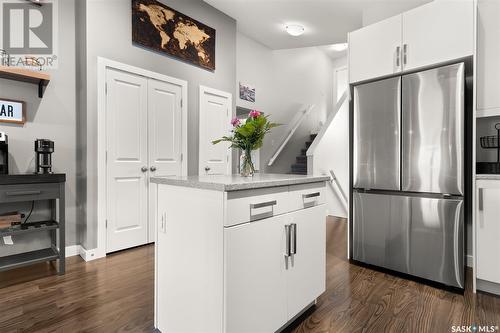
215,118
165,137
488,231
374,50
437,32
305,274
189,260
488,57
255,281
127,160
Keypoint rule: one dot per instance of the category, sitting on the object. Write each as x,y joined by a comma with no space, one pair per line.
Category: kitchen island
237,254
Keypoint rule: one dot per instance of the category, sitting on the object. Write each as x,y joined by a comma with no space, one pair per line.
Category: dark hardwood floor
115,294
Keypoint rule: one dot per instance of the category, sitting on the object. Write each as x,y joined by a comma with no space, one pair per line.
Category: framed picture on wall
247,92
160,28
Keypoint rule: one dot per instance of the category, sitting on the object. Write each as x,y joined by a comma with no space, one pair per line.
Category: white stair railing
339,189
291,132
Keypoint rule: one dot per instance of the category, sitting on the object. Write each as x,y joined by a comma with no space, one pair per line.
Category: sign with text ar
12,111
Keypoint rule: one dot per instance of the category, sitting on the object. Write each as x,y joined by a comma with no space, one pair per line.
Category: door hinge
182,103
106,224
106,156
182,157
106,88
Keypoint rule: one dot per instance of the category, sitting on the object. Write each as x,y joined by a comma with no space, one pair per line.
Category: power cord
31,211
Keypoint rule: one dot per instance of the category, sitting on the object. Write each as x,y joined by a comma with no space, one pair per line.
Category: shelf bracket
41,89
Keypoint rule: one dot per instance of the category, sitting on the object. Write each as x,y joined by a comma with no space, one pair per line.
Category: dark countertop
30,178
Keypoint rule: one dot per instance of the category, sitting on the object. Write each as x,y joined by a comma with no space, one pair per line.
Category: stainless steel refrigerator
408,174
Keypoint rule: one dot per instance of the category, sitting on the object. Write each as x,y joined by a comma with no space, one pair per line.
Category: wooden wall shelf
41,79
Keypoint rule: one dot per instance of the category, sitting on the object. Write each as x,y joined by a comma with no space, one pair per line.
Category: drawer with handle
307,195
253,205
28,192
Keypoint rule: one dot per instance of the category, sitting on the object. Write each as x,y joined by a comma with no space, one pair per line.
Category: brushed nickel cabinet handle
18,193
288,241
144,169
293,236
398,56
405,51
263,204
481,200
311,195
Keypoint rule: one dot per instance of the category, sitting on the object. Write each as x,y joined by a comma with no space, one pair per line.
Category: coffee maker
4,154
43,150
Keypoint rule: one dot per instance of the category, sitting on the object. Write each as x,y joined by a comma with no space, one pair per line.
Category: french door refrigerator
408,174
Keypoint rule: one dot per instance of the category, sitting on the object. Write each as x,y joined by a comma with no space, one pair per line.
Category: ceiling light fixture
339,47
295,29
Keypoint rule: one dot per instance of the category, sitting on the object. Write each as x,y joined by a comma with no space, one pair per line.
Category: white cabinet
255,265
488,231
437,32
488,57
265,287
243,261
305,273
375,50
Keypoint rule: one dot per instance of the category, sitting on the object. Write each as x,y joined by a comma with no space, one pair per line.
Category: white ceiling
325,21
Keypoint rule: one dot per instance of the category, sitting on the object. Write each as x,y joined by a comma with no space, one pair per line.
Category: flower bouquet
248,135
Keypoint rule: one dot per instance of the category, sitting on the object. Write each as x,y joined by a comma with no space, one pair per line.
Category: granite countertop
228,183
488,176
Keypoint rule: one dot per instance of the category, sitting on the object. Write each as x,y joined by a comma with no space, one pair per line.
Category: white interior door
127,160
165,137
215,118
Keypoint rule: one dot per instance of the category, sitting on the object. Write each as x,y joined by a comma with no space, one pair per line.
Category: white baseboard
470,261
73,250
89,255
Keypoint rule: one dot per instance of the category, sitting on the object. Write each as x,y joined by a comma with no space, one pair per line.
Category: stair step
313,136
299,167
308,144
303,152
301,159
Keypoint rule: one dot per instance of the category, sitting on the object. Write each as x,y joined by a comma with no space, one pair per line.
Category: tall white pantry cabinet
238,261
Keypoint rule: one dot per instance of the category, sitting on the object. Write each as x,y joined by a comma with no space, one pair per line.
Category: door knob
144,169
153,169
207,169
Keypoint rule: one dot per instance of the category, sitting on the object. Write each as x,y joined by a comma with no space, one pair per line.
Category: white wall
331,152
286,82
52,117
109,35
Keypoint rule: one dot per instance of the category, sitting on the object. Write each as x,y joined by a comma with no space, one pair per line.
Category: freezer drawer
381,230
377,123
433,131
423,237
437,240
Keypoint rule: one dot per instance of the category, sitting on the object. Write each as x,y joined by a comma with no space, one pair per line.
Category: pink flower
235,122
254,114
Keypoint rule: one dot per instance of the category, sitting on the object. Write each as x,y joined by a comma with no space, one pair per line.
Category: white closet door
215,118
165,137
127,160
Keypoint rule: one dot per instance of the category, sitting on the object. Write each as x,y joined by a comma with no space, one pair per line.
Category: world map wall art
163,29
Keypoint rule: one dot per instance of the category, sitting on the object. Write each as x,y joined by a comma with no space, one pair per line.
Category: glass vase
247,168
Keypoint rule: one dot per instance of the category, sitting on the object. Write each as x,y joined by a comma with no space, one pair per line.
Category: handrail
341,190
290,134
323,130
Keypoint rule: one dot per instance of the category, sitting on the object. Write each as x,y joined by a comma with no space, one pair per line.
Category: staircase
300,166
